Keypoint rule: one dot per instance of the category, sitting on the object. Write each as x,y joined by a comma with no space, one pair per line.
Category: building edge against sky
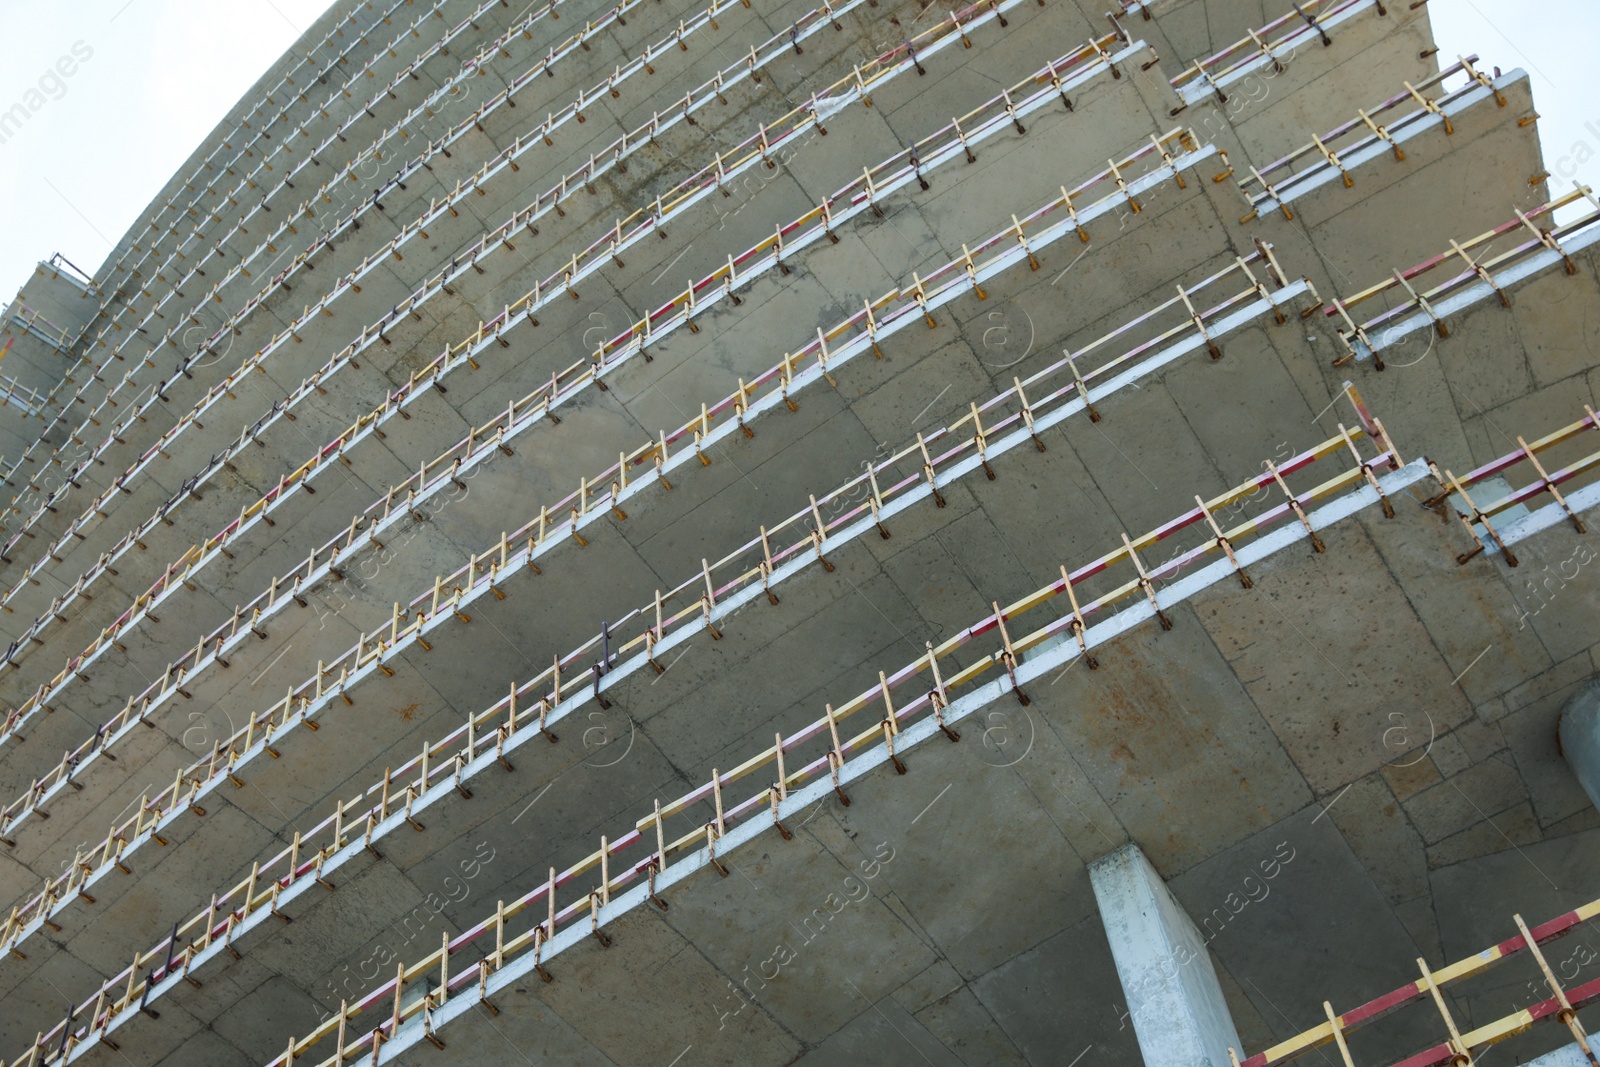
1113,589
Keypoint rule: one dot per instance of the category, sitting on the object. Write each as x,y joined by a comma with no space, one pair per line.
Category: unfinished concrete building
805,533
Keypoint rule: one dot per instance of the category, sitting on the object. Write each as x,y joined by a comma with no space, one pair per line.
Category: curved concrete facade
774,533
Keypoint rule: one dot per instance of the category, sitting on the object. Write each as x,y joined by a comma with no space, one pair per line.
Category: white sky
164,72
162,75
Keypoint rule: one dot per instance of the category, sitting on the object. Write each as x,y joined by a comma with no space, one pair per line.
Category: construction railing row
913,703
1372,134
909,43
504,161
914,163
593,509
285,96
227,637
19,316
773,48
470,973
284,143
1308,21
742,157
491,332
14,394
291,91
66,347
1477,278
1458,1047
188,267
346,172
1542,480
1233,298
371,336
605,250
176,336
815,361
487,572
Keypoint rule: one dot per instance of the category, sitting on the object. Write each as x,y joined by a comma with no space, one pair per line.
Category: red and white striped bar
1308,22
1478,279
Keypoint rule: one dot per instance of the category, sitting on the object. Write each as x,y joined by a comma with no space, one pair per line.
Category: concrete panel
1313,675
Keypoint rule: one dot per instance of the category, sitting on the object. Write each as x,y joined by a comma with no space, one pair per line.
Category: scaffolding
1479,278
994,117
213,162
565,520
1233,298
916,702
374,152
1371,135
18,315
14,394
1309,21
284,143
563,387
502,162
291,92
181,571
929,41
1544,481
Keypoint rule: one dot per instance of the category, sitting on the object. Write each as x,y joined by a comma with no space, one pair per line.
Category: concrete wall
946,916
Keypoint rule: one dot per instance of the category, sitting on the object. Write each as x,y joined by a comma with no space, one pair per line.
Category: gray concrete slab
977,942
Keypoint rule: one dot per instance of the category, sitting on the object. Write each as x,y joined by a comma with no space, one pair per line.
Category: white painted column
1173,996
1579,733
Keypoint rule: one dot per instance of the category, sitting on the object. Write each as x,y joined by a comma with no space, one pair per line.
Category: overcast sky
160,74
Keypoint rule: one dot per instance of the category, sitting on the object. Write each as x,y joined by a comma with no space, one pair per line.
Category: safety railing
523,414
1479,275
326,239
18,315
504,161
346,172
1192,321
1372,134
14,394
915,163
1459,1046
291,91
916,702
288,92
81,278
370,335
743,157
157,229
1270,46
282,144
1543,480
901,308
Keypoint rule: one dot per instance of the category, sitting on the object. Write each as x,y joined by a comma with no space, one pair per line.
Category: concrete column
1578,730
1173,996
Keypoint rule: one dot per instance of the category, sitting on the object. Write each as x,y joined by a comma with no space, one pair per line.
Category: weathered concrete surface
1266,719
456,529
1579,739
660,402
